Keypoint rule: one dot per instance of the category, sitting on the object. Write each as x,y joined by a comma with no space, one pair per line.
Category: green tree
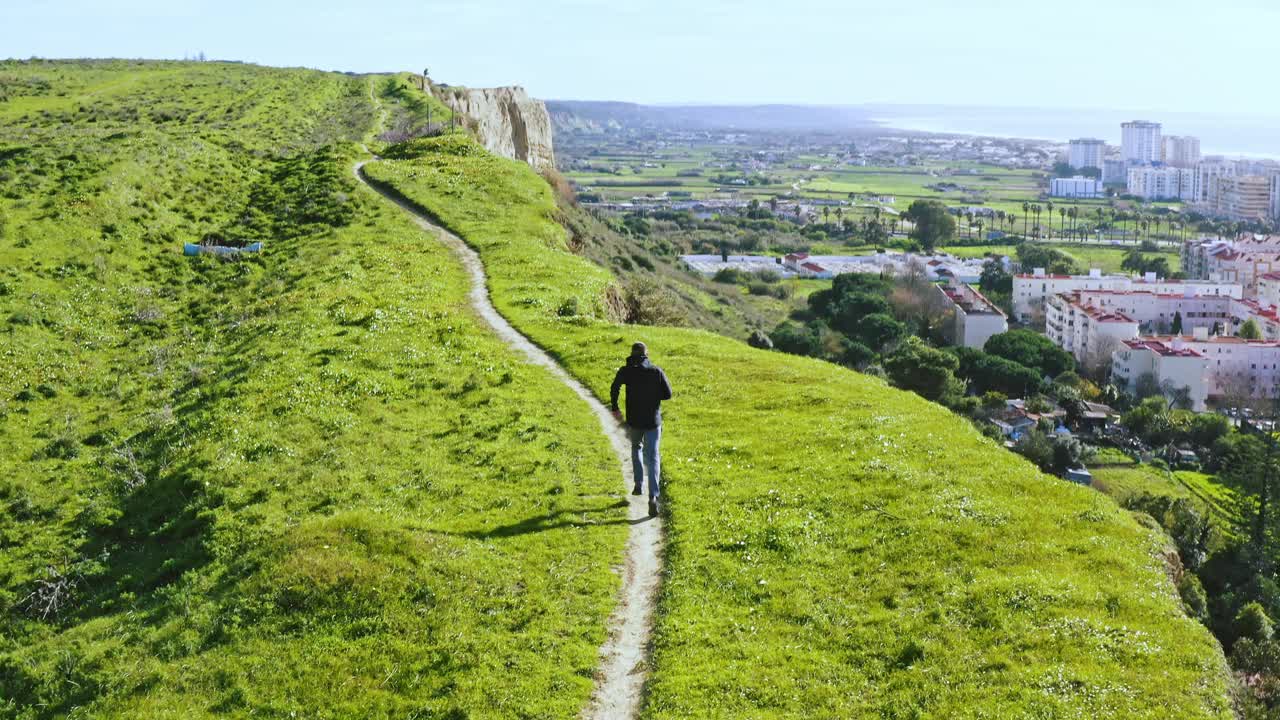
1249,465
932,224
1207,428
924,370
1031,349
1035,255
1252,623
879,330
875,234
796,339
986,372
1250,330
1177,323
994,279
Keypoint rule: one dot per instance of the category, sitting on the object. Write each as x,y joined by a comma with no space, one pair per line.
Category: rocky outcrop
507,121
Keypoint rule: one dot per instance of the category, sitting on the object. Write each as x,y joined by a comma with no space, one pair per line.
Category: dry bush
52,593
560,184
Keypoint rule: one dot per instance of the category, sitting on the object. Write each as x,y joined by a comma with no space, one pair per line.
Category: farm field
1126,479
306,482
1107,258
850,570
690,172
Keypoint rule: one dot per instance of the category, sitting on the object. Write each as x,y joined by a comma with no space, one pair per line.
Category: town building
1115,172
1160,183
1032,290
1268,292
1076,187
974,318
1241,261
1204,179
1086,153
1243,198
1169,363
1140,142
1077,321
1090,333
1222,370
1181,151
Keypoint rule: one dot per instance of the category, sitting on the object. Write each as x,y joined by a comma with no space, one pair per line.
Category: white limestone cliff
507,121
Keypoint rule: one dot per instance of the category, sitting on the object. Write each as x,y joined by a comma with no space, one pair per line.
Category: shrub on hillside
457,144
649,303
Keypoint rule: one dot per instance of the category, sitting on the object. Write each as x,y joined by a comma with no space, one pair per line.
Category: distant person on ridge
647,387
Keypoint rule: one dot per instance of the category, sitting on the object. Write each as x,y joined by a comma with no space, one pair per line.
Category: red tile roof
1160,348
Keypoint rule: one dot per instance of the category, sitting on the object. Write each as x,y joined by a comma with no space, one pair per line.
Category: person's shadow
553,521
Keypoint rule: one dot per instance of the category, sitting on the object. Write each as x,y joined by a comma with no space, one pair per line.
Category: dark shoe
653,508
637,490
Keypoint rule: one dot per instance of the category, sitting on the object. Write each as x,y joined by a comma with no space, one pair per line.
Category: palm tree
1145,224
1036,209
1026,211
1049,208
1062,217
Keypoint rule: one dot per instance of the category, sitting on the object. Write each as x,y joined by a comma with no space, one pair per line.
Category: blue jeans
648,441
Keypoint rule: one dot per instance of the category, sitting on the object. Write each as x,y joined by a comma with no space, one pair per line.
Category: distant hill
595,117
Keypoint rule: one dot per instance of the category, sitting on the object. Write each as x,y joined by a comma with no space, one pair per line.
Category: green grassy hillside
839,548
307,483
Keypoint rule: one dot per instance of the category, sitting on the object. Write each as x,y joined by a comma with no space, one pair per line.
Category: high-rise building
1181,151
1140,142
1246,197
1114,172
1160,183
1204,178
1086,153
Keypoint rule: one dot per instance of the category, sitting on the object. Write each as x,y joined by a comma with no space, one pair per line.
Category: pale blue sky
1123,54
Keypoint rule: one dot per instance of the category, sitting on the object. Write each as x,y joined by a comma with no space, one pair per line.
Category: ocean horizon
1220,134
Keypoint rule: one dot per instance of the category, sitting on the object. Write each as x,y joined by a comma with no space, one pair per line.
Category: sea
1235,135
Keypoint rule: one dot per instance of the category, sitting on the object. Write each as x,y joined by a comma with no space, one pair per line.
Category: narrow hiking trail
623,657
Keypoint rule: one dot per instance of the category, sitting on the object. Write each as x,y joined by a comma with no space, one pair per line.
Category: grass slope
307,483
839,548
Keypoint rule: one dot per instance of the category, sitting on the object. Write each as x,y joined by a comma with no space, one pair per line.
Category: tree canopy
924,370
1032,350
932,223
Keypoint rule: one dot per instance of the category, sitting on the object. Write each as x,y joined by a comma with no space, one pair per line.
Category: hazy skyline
1144,56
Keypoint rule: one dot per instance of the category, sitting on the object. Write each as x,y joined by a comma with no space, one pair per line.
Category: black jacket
647,387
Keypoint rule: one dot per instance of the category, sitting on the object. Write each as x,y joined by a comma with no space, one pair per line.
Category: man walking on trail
647,387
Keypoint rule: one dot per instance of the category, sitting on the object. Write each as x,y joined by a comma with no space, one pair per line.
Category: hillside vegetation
838,548
303,483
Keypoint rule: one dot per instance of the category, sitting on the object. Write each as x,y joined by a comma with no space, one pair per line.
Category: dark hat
639,350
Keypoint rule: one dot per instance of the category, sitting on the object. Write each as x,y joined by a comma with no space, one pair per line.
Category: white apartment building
1088,332
1086,153
1032,290
1242,261
1125,315
976,318
1205,177
1155,312
1268,293
1160,183
1243,197
1076,187
1181,151
1168,362
1214,369
1140,142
